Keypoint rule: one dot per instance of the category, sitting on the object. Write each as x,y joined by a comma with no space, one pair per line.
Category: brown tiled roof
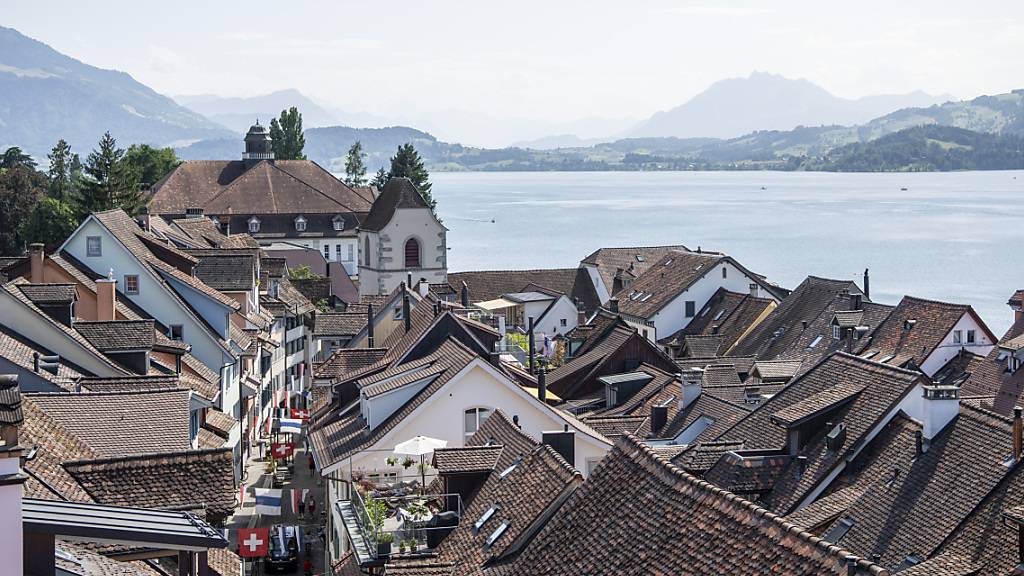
397,193
227,273
10,403
884,382
339,323
989,377
702,346
280,186
467,459
345,361
748,396
827,399
702,456
131,383
187,480
118,335
121,423
778,370
729,315
778,332
915,510
490,284
720,375
639,514
315,289
208,439
499,429
50,294
630,260
664,280
205,231
78,559
20,352
821,513
751,473
54,445
944,565
219,422
932,322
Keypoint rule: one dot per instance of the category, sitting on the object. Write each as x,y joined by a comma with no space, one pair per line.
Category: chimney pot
801,466
851,565
465,295
542,384
369,325
659,417
867,284
613,304
36,255
106,295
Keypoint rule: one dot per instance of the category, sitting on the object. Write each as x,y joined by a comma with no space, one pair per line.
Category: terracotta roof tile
664,280
118,335
467,459
631,261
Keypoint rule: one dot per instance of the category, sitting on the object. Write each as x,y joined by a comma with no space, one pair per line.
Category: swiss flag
253,542
282,449
300,413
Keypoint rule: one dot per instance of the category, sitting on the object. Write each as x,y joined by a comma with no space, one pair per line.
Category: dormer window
254,225
300,224
338,223
837,332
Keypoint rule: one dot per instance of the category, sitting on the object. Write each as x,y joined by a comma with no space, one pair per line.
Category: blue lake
957,237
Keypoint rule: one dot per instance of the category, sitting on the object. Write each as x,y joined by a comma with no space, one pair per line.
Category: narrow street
293,476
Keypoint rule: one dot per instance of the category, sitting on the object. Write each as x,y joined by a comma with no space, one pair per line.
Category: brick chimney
613,305
36,256
106,295
581,314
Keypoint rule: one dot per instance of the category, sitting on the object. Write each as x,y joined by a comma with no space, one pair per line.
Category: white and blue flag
290,425
268,501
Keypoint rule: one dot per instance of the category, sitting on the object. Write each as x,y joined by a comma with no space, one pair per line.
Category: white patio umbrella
420,446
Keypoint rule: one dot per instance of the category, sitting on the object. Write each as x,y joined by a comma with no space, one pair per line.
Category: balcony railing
396,525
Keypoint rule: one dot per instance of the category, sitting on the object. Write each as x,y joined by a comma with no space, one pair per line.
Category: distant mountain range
737,106
45,96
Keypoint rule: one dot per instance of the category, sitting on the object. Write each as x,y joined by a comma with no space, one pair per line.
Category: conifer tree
109,182
61,173
408,164
379,179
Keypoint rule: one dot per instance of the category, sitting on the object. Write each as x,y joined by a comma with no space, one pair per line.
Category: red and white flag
253,542
295,501
300,413
281,450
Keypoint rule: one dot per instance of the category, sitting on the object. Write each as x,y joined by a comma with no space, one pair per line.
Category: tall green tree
287,137
355,169
21,188
109,182
149,164
407,163
51,221
379,179
13,157
62,174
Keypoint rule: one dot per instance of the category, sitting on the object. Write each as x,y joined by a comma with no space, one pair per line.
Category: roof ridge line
150,455
315,189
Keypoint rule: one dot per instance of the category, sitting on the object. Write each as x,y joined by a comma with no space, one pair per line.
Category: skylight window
886,358
668,262
640,258
719,315
646,297
509,470
484,518
496,534
1002,355
841,528
870,354
814,342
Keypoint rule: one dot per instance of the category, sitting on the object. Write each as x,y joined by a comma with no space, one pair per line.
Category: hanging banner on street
290,425
281,450
300,414
268,501
253,542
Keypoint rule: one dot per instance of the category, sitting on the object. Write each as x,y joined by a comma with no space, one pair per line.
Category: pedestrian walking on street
302,508
311,466
312,508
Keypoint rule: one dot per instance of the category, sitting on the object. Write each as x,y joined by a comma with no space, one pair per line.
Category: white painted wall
603,292
478,386
385,268
11,542
947,350
551,323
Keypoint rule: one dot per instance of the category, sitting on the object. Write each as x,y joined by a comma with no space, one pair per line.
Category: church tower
258,145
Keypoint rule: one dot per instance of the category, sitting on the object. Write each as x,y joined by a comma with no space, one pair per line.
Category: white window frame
254,225
972,337
327,252
837,332
94,246
476,411
338,223
300,224
128,285
958,336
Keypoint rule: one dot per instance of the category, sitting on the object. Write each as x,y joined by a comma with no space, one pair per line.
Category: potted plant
407,462
384,541
392,461
401,547
412,544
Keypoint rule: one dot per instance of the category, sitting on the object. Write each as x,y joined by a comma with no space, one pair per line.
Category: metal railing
399,523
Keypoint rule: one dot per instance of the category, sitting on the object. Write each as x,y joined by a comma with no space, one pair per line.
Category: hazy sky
552,61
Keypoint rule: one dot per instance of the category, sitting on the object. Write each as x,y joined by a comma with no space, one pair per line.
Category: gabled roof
226,272
990,379
345,361
54,445
203,232
50,294
630,260
728,315
640,514
491,284
120,423
910,503
267,187
397,193
465,460
337,324
884,383
915,328
21,352
784,325
664,280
